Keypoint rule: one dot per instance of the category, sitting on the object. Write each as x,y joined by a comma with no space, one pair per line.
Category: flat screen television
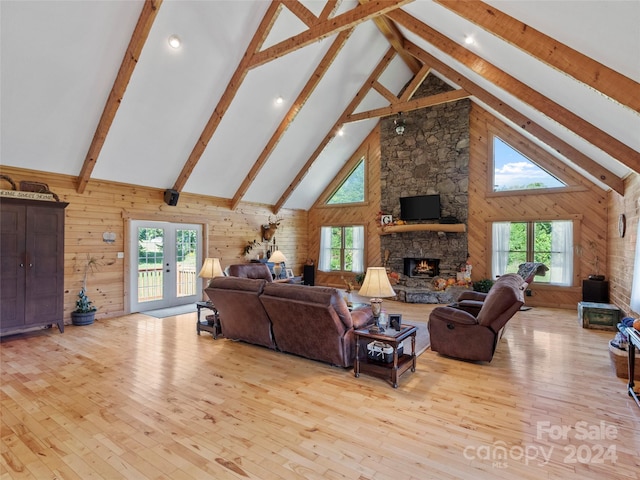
420,207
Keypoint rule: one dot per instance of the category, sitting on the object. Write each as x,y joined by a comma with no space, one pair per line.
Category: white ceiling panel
606,31
58,63
253,115
364,49
172,93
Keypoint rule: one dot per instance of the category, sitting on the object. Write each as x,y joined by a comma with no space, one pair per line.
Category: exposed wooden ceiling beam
395,38
323,29
620,88
230,92
409,105
366,86
329,9
384,91
415,82
525,123
521,91
127,66
304,95
300,11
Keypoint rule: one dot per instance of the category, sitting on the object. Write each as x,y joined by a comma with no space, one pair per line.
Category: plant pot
598,278
81,318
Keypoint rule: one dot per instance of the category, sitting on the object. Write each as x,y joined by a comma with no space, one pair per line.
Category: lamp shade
376,284
211,268
278,257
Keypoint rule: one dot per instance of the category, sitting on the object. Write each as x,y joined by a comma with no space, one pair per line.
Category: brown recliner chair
472,301
457,333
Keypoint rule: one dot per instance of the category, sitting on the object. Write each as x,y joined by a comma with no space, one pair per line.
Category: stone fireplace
432,157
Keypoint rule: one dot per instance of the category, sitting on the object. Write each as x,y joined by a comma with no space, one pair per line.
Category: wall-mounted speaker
171,197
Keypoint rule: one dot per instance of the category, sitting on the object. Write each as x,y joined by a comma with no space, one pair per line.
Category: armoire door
12,268
44,265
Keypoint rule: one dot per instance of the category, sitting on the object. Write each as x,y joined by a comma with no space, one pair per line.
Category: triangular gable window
513,171
352,189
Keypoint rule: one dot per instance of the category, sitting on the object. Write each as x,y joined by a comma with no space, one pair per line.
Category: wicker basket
620,362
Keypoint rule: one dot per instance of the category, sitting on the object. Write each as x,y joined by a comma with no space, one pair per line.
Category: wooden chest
603,316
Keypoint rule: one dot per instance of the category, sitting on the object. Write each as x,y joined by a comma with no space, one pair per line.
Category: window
342,249
548,242
352,189
513,171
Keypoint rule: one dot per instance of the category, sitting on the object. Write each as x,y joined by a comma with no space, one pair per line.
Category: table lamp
278,259
377,286
210,269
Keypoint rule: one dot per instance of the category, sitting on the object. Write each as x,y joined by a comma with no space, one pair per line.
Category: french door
165,263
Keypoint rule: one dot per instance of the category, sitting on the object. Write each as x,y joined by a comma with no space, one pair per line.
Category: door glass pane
186,248
150,261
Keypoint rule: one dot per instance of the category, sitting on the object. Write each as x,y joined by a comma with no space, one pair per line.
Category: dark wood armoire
31,264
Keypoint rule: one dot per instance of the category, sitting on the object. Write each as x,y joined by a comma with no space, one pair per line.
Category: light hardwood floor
143,398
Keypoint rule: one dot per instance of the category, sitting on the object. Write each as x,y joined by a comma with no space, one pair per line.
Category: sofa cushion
242,316
250,270
237,283
320,295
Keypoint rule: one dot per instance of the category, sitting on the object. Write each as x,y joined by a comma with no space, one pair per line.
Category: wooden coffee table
388,371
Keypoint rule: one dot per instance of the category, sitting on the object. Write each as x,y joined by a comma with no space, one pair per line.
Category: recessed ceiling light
341,132
174,41
279,100
469,40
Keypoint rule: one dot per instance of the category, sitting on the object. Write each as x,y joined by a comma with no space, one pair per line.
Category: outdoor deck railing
150,283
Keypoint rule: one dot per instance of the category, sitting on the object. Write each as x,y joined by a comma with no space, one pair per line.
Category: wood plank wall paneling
588,202
322,215
107,207
621,252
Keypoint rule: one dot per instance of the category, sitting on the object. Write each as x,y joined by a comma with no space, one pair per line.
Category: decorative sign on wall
28,195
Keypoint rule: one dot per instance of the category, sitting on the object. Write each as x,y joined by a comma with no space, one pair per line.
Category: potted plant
85,311
483,285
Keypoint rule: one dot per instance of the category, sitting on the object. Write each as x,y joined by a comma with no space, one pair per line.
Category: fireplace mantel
423,227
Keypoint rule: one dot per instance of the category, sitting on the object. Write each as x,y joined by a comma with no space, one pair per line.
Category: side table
634,341
389,371
214,328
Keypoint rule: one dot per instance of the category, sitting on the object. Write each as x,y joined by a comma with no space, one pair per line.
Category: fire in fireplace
422,267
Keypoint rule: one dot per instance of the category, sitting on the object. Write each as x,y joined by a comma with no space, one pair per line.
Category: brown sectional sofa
313,322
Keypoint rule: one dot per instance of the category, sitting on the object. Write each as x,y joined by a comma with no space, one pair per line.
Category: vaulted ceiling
92,89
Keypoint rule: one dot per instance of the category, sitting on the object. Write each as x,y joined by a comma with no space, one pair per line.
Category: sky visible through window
514,171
